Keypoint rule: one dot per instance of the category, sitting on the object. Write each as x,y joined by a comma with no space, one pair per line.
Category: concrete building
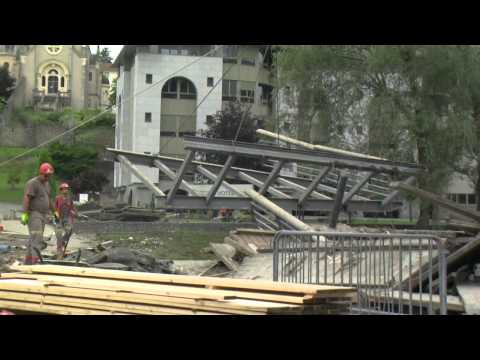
155,109
52,77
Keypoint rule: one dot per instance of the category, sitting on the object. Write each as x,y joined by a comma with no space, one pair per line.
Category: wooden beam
271,177
139,174
314,147
171,175
356,188
258,183
213,190
315,182
390,197
278,211
447,204
338,201
179,176
298,187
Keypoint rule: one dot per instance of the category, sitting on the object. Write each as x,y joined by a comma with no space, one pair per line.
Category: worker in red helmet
65,212
37,207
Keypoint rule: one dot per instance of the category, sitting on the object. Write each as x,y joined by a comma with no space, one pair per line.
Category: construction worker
65,212
37,206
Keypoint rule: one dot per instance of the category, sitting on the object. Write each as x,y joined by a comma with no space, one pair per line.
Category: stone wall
20,135
152,227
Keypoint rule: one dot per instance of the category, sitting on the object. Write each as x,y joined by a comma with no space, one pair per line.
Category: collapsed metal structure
327,179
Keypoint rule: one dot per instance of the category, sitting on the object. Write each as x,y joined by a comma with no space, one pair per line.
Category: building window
249,62
168,133
187,90
43,81
247,96
54,49
210,119
184,52
462,198
230,51
472,200
149,78
186,133
229,90
148,117
179,88
229,61
209,81
90,76
62,82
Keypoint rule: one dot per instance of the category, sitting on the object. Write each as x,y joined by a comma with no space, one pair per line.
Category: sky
114,49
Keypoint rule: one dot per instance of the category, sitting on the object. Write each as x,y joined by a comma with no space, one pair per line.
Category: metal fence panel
393,273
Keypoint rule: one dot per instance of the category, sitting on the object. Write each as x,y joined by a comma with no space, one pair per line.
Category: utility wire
109,108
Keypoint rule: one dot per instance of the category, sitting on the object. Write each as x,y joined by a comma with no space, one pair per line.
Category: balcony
54,102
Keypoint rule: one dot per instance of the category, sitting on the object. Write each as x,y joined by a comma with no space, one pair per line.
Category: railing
393,273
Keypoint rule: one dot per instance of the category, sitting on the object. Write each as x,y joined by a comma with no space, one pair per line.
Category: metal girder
156,190
213,190
395,193
356,188
295,186
338,201
264,218
198,202
178,179
315,182
171,174
213,177
271,177
256,182
315,157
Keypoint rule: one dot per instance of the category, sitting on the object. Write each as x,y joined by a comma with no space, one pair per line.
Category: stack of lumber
52,289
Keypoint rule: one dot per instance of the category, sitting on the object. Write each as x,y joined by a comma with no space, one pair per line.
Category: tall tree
104,56
408,98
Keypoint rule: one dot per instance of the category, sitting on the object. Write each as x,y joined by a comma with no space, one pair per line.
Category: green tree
105,56
7,83
409,98
234,122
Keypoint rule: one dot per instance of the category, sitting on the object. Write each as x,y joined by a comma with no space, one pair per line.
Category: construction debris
74,290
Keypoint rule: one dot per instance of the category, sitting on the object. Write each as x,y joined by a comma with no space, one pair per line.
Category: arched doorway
178,115
52,82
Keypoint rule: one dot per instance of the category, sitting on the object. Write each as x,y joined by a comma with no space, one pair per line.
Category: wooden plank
470,297
393,195
217,294
182,279
93,304
139,174
225,253
240,247
35,286
49,309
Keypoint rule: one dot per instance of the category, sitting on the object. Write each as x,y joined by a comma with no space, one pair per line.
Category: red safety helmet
46,169
64,186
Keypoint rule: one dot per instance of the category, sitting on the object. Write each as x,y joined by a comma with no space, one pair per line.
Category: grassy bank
176,245
25,167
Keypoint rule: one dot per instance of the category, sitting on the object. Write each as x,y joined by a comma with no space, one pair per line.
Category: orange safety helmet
64,186
46,169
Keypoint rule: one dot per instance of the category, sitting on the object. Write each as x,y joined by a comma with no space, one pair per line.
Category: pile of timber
50,289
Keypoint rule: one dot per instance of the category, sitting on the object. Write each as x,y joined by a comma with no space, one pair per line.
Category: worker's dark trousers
63,232
36,227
